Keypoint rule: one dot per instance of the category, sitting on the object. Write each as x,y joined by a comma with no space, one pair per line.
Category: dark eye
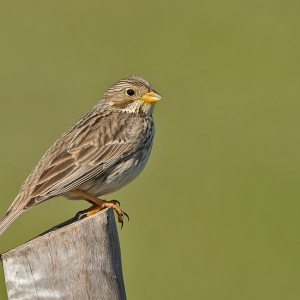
130,92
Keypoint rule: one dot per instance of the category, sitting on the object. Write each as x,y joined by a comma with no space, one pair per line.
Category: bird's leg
98,205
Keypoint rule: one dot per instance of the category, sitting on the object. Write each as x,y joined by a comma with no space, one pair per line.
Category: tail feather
13,212
8,218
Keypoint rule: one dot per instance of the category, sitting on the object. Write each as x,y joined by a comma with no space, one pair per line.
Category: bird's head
132,94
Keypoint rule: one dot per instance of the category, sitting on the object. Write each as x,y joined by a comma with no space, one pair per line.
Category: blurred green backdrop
215,214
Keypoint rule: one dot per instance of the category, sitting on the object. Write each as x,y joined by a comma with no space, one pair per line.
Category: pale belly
114,178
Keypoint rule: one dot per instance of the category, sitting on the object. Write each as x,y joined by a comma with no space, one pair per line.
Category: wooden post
79,261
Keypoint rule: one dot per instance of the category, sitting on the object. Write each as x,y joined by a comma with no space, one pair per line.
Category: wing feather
87,150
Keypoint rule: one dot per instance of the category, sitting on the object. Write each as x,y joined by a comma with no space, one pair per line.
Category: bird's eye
130,92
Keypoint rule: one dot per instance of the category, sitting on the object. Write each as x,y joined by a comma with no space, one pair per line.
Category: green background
215,214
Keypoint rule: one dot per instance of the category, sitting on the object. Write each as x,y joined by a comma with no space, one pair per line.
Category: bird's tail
12,213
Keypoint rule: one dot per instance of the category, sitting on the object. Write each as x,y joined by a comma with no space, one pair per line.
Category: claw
80,215
116,202
121,217
126,215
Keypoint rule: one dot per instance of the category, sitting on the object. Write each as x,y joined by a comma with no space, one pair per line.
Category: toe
80,215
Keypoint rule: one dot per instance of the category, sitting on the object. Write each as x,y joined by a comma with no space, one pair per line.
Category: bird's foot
115,204
98,205
87,212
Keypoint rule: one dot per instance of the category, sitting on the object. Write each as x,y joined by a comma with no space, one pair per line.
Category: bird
101,153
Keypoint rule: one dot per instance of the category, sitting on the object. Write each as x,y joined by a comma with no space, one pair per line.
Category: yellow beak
151,97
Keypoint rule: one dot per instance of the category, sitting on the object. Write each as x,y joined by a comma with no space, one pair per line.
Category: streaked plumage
106,149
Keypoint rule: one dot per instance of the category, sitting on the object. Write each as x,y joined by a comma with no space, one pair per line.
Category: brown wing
88,149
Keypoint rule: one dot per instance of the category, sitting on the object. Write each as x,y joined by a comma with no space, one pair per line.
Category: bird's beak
151,97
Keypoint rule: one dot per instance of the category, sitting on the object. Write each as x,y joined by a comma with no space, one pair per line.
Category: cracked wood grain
74,260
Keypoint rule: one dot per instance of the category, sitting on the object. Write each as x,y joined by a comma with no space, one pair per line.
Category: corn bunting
105,150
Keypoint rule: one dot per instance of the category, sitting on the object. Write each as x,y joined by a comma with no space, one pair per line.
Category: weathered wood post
74,260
